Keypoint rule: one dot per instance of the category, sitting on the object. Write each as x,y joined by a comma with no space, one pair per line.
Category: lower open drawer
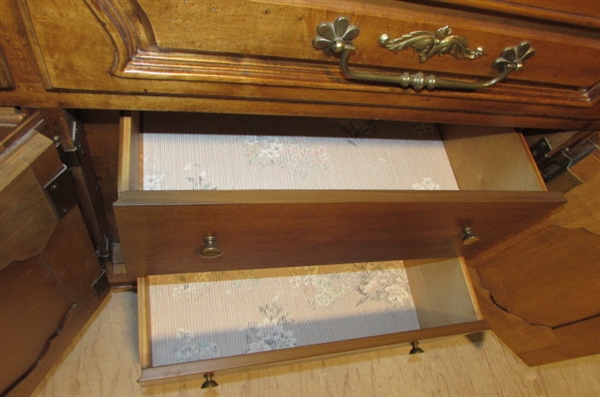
199,323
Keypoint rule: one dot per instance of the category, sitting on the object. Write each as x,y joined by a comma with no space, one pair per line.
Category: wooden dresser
100,72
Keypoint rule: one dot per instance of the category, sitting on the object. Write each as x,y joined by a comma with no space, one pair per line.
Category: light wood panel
144,330
582,210
440,292
129,152
490,158
103,362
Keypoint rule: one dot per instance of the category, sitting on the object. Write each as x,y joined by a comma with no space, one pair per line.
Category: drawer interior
216,321
396,156
175,151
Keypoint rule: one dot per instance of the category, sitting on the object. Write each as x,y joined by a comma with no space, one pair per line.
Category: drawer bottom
207,322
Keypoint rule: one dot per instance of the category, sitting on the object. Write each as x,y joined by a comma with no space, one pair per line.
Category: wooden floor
103,362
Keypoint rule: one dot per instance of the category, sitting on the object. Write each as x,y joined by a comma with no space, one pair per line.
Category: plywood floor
103,362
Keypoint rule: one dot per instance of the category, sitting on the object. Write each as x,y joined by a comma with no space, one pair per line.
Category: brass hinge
61,191
71,156
555,168
101,284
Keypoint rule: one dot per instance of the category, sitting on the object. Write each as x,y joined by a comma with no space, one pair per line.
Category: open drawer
178,231
207,323
369,200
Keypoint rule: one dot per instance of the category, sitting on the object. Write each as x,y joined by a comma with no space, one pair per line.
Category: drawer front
162,232
231,32
259,49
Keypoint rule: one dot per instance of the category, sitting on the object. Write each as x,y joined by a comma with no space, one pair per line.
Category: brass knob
210,249
469,237
209,383
415,348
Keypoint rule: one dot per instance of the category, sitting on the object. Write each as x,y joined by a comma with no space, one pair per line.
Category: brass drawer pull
210,249
335,39
429,44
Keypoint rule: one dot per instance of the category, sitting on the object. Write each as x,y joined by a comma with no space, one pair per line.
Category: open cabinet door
51,281
539,289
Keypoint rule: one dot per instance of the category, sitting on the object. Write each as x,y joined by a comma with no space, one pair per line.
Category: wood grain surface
103,361
139,55
161,230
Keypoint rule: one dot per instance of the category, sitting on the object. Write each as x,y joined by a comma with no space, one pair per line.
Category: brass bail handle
335,39
210,249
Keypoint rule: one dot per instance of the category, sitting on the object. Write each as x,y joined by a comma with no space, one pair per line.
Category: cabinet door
540,288
50,279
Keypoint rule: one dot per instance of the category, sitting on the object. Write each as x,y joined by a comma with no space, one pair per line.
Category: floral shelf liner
242,162
218,314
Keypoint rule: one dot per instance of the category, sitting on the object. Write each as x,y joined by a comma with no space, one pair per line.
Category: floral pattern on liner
153,182
153,177
198,180
219,314
288,153
375,283
188,348
271,334
237,162
426,184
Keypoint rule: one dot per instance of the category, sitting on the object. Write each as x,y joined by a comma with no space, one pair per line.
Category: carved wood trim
128,27
139,56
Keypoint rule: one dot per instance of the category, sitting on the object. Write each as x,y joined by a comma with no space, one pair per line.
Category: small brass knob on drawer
209,383
415,348
210,249
469,237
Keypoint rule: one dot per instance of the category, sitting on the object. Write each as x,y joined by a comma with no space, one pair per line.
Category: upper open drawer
171,231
